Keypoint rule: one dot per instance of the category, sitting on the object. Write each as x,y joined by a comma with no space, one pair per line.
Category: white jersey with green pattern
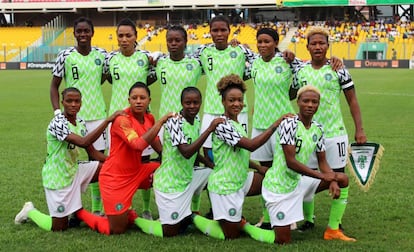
84,73
125,71
176,171
174,76
231,162
219,63
61,162
272,81
279,178
330,83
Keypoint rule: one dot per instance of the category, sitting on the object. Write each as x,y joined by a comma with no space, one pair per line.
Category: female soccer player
123,172
177,180
124,67
230,181
64,178
82,67
289,180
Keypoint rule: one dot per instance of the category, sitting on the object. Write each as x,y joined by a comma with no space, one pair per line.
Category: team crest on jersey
232,212
119,206
233,54
280,215
98,62
61,209
314,137
174,215
189,67
140,62
328,76
278,69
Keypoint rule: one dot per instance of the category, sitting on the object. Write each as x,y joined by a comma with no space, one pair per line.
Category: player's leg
201,175
309,204
28,211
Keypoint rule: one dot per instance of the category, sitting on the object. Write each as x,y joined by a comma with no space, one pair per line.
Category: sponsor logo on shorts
280,215
232,212
61,209
119,206
174,215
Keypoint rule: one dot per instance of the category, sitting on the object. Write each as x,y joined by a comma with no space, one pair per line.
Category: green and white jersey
176,172
219,63
174,76
61,163
280,178
125,71
231,162
84,73
330,83
272,81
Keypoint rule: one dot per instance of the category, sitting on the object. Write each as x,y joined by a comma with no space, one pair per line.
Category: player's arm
206,161
156,145
54,92
260,169
95,154
103,78
324,167
352,100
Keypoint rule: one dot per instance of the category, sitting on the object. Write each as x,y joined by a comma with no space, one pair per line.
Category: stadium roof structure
321,3
18,6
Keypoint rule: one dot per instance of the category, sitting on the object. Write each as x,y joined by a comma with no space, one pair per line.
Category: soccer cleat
22,215
147,215
336,234
306,226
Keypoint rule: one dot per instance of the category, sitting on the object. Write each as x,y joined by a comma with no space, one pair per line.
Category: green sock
209,227
266,217
146,196
260,234
149,226
96,197
338,209
309,210
195,203
44,221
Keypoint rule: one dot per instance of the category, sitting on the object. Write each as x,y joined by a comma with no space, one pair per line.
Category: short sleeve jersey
125,71
174,76
217,64
280,178
231,162
330,83
61,162
84,73
176,171
272,81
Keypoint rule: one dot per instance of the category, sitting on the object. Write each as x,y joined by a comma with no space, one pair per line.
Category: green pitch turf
381,219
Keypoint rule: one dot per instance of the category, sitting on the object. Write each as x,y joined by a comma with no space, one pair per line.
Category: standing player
64,177
318,72
125,67
218,60
177,180
82,67
289,180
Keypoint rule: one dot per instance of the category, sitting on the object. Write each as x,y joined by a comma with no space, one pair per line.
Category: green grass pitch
381,219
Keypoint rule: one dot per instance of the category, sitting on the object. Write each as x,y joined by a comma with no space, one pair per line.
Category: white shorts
208,118
174,207
336,153
285,209
264,152
229,207
100,143
65,201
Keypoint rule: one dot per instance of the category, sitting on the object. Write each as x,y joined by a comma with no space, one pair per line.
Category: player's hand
329,176
289,56
336,63
216,122
360,137
112,117
234,42
283,117
334,190
169,115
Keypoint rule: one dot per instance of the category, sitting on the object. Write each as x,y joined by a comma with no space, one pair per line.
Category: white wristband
57,111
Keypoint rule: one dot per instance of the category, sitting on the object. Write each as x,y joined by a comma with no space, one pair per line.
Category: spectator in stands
82,66
64,177
329,115
123,172
123,68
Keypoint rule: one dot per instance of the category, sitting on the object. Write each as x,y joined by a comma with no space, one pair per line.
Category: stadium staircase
284,44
